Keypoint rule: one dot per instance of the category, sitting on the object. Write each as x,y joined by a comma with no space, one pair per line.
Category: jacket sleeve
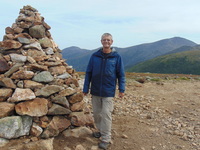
88,76
121,75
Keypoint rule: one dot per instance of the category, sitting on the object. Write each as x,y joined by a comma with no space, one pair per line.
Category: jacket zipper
102,71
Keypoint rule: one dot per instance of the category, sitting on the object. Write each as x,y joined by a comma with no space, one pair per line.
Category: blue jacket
103,72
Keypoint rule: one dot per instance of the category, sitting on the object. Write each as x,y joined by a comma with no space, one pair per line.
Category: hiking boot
104,145
96,134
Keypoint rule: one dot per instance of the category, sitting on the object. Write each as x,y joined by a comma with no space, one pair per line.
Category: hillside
187,62
79,58
73,51
140,53
184,48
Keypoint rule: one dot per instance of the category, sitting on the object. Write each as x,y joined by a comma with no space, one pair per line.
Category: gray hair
106,34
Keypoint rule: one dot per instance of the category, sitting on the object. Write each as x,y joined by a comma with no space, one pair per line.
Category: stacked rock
40,94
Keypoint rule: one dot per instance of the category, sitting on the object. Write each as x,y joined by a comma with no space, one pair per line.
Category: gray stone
49,51
45,42
62,100
64,76
15,126
18,58
35,45
48,90
58,110
37,31
23,40
43,76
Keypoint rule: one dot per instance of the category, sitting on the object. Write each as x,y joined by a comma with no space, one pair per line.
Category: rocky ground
154,115
158,116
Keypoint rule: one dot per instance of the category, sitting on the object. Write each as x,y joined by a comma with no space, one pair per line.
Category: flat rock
22,95
37,107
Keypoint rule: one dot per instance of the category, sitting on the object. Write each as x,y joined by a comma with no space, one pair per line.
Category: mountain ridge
185,62
131,56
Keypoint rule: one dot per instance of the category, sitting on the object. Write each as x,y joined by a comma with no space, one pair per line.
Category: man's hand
85,94
121,94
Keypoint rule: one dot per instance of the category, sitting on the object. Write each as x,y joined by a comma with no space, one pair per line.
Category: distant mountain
131,56
187,62
73,51
77,57
184,48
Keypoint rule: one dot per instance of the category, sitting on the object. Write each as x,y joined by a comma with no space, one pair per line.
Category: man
105,69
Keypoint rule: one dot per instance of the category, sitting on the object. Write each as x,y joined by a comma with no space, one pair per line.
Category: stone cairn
40,95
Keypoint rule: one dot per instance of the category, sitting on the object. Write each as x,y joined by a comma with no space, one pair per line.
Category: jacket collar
99,53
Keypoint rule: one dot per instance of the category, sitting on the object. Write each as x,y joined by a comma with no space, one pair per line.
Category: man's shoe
96,134
104,145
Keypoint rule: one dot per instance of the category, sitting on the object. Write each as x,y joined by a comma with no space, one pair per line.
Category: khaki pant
102,111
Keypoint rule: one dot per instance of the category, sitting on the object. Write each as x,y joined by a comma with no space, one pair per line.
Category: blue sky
131,22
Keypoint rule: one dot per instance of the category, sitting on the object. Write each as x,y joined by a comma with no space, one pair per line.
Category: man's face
106,41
